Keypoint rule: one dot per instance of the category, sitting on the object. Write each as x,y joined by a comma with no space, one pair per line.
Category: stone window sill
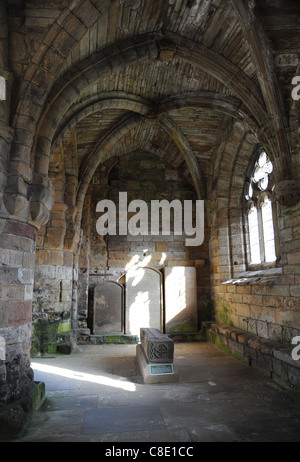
262,277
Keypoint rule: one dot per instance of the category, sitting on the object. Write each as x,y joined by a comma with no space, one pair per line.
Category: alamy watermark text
184,217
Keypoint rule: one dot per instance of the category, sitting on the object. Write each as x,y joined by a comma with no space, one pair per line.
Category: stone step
187,337
117,339
120,339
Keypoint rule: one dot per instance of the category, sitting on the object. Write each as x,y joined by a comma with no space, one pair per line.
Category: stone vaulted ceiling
171,77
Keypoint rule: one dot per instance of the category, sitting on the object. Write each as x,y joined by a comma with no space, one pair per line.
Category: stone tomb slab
143,295
155,357
108,313
158,347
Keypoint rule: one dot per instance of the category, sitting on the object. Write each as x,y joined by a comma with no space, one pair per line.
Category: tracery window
261,212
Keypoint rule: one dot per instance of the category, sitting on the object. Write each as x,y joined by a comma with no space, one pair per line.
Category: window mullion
276,233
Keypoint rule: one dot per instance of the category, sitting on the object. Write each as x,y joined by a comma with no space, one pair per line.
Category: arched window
261,213
2,89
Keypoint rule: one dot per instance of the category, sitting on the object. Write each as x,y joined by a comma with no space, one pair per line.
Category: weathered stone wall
56,269
266,302
17,248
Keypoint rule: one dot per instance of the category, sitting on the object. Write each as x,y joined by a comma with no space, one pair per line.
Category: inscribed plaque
181,312
143,297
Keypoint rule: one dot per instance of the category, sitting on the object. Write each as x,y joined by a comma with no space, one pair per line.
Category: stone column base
15,417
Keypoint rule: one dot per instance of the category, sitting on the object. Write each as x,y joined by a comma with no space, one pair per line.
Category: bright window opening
2,89
254,236
261,226
268,229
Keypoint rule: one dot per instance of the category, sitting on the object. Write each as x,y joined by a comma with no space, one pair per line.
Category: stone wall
17,247
56,263
262,301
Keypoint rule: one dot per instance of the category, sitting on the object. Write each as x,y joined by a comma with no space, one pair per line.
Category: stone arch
100,153
62,37
294,121
244,158
227,221
129,51
113,100
247,91
90,70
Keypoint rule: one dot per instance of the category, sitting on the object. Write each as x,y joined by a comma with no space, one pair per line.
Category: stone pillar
17,250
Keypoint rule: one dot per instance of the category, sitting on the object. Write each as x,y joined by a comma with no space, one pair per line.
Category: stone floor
97,395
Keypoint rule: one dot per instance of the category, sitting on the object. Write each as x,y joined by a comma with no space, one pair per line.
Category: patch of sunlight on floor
77,375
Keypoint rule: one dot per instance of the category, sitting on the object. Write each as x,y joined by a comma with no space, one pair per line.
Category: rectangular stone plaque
181,311
161,369
108,316
143,295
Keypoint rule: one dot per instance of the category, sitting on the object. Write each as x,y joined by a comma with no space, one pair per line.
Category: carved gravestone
143,295
158,347
108,310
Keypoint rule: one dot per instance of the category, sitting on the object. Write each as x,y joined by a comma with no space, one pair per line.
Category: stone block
20,312
155,357
157,346
155,373
50,257
12,258
294,258
181,310
28,260
20,229
161,246
3,315
143,299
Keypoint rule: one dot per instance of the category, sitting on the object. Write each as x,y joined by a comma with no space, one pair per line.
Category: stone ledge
263,277
111,339
271,358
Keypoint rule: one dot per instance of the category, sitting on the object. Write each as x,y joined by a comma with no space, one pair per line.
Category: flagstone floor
97,395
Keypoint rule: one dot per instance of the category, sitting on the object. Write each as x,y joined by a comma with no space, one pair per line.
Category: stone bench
269,357
155,356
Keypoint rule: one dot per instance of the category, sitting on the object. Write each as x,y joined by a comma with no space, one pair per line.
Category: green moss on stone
184,328
114,339
48,335
51,349
63,327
